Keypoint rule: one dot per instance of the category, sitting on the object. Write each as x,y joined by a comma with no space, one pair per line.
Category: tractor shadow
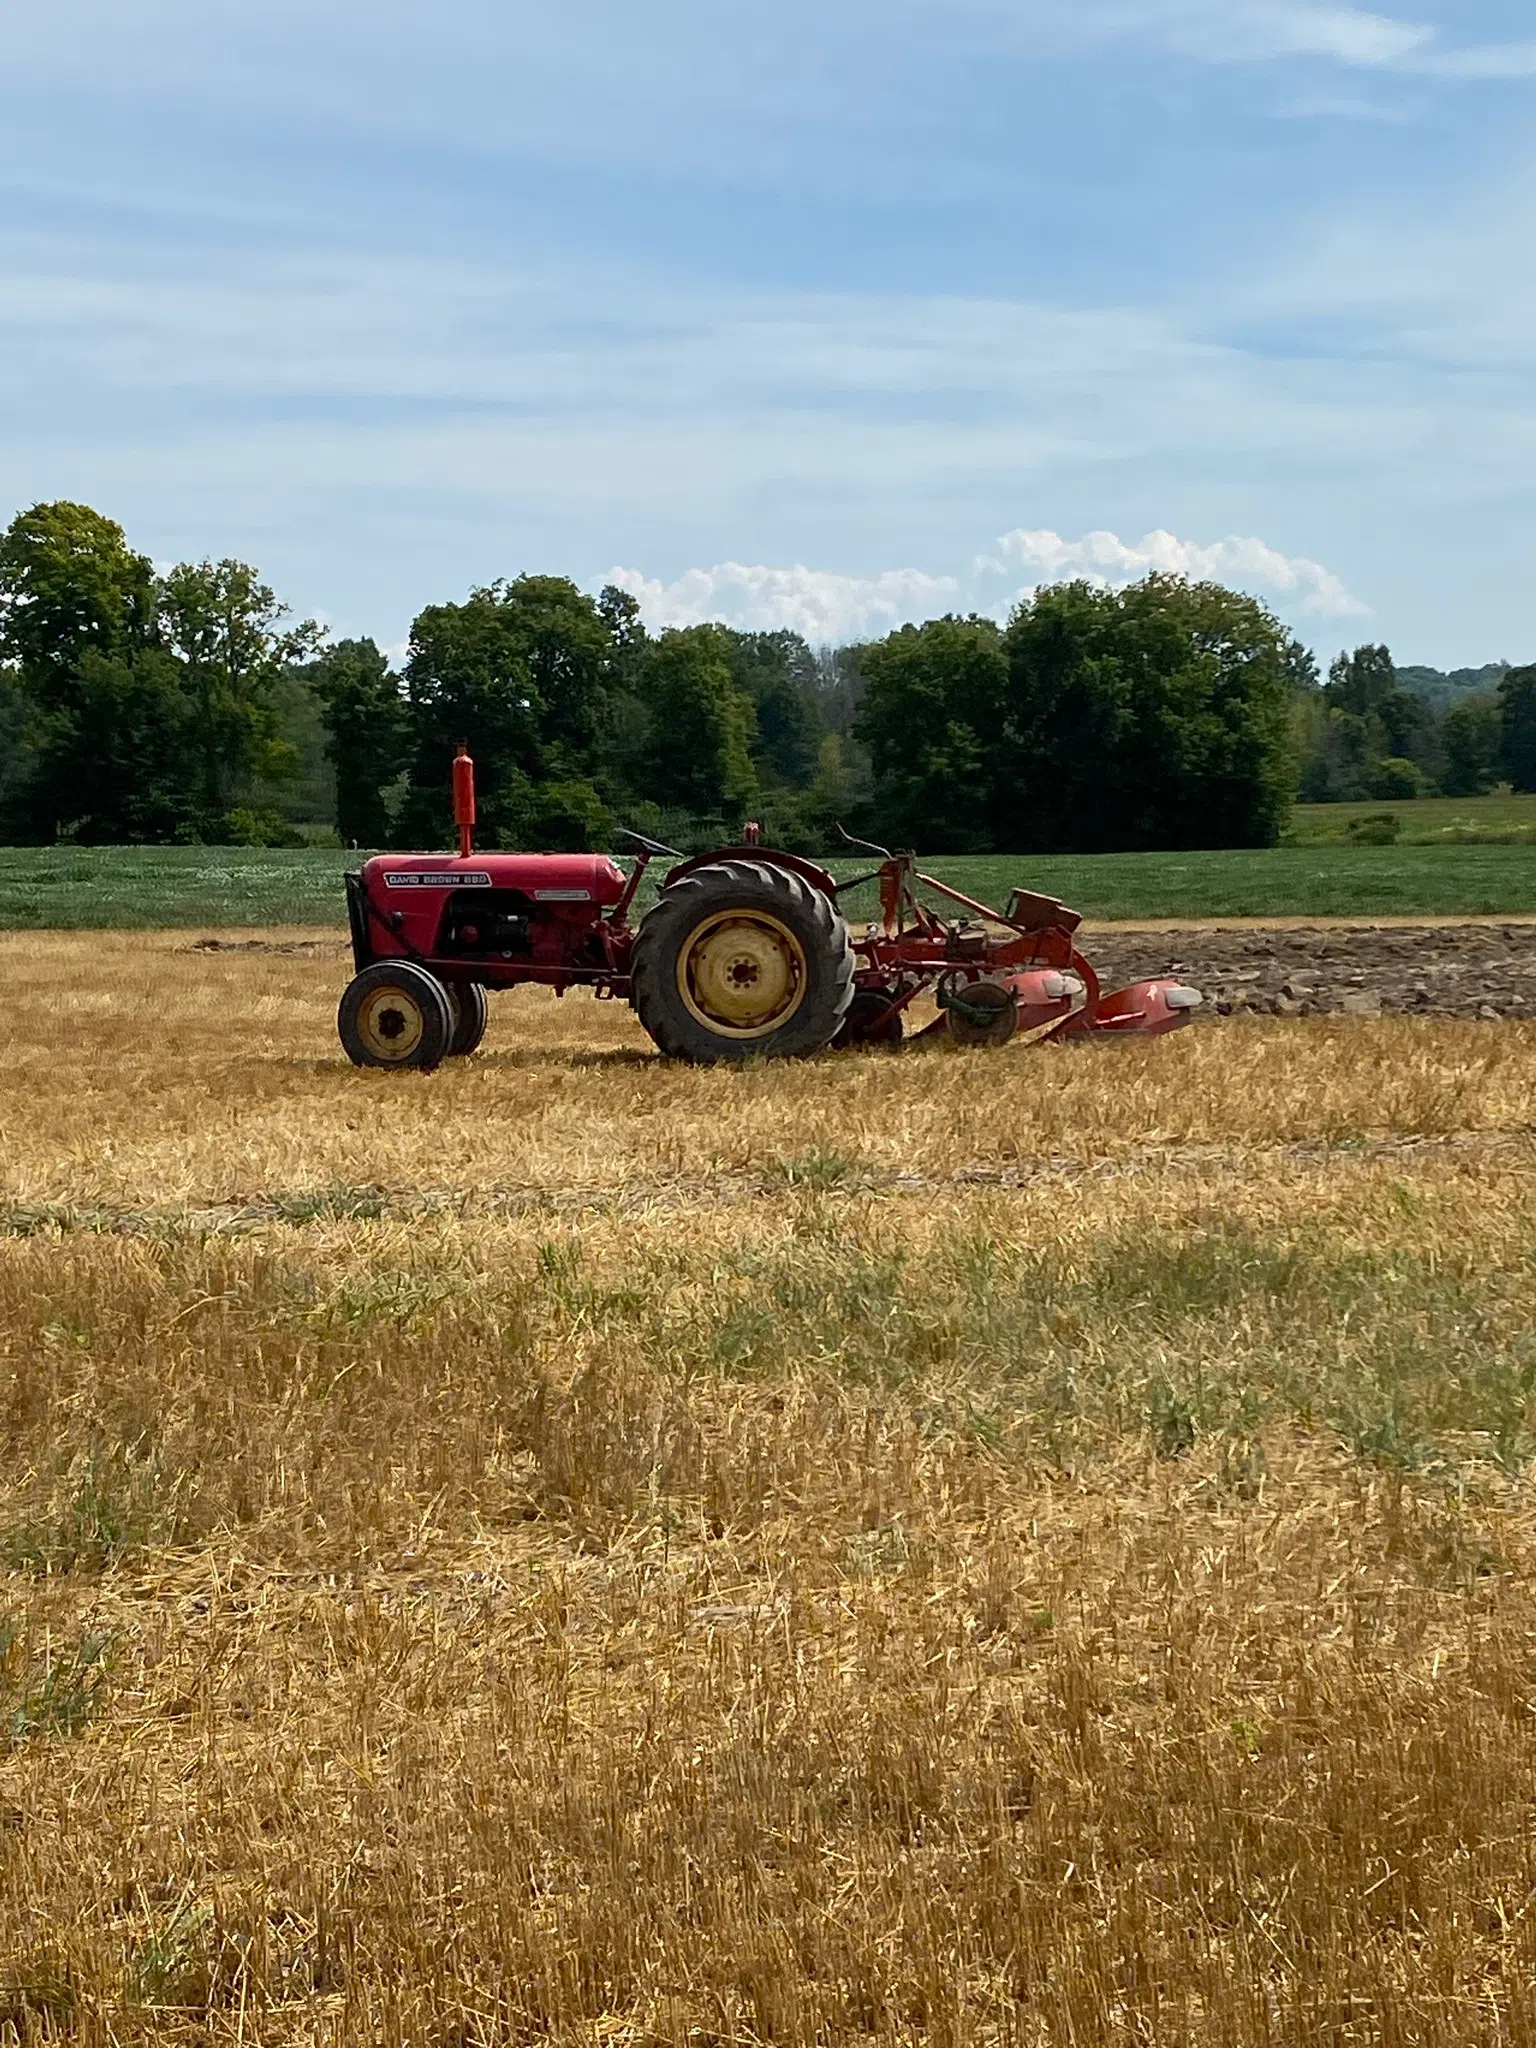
512,1060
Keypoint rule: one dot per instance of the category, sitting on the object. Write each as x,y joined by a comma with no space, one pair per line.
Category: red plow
995,974
747,952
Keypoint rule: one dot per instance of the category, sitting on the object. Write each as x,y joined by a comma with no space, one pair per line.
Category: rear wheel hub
742,973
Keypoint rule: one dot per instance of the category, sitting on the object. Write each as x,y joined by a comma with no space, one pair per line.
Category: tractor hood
542,877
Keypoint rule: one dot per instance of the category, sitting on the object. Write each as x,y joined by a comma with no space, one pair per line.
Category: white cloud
1345,34
818,603
828,607
1247,564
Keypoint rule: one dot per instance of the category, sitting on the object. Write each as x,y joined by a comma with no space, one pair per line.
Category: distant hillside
1442,688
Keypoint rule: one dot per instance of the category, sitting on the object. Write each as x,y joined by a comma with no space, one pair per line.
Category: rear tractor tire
470,1013
742,958
395,1014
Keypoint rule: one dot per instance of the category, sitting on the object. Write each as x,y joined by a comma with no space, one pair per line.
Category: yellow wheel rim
390,1023
742,973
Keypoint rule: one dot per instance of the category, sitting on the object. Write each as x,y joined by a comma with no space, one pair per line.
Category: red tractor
746,952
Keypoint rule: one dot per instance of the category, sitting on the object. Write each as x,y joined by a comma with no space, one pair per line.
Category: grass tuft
52,1692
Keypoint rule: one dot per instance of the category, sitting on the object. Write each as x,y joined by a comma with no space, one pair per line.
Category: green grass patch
1424,821
208,888
1324,881
104,888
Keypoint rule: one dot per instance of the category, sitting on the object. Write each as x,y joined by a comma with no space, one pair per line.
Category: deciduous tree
520,671
366,735
104,717
225,626
933,705
696,753
1471,737
1517,727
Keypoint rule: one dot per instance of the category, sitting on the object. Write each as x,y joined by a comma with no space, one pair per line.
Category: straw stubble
1002,1548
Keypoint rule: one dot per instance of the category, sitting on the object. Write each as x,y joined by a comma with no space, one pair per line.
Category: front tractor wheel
395,1014
742,957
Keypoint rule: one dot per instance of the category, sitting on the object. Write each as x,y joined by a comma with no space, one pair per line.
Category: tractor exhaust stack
464,801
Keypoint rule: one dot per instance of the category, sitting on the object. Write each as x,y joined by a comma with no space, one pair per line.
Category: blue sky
829,314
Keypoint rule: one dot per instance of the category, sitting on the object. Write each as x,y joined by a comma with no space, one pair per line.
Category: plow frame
1030,950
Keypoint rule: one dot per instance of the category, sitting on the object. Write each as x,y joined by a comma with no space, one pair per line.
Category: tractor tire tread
471,1014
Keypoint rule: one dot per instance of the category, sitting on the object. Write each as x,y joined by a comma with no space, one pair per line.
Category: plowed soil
1448,970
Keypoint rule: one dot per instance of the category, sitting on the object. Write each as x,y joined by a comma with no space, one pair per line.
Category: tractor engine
496,912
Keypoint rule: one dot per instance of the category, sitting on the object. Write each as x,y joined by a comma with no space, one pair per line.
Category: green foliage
696,752
1362,682
1471,739
184,707
1517,737
564,817
366,735
1338,763
94,1514
777,673
1382,828
520,671
1394,780
69,584
1376,731
1190,685
174,1966
306,791
1156,716
57,1693
147,703
247,825
935,696
222,623
102,711
1440,689
15,750
109,763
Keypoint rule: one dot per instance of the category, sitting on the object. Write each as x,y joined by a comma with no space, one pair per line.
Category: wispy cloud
1484,61
1279,28
828,607
1265,31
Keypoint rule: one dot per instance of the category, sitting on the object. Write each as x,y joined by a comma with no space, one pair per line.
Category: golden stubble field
1022,1548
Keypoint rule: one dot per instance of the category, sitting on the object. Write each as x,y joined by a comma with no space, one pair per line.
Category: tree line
139,704
1374,730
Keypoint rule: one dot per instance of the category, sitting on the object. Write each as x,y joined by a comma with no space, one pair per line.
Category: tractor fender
768,856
